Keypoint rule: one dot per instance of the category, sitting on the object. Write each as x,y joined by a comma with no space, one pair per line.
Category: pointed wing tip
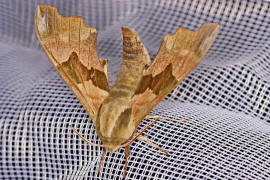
207,33
205,37
213,27
41,5
206,25
214,24
41,8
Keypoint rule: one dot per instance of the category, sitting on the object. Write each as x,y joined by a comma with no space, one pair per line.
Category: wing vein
55,30
54,20
46,19
88,63
79,44
69,32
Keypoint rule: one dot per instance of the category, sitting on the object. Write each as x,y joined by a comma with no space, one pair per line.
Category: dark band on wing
158,83
78,72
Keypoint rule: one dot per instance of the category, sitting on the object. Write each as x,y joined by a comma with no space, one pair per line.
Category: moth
141,84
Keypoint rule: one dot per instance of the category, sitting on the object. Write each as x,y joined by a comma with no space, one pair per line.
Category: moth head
111,147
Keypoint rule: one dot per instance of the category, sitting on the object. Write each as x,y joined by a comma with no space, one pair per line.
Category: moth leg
84,139
145,139
163,117
127,153
102,159
88,142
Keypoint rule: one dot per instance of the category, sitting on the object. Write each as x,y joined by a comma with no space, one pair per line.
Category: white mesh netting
225,99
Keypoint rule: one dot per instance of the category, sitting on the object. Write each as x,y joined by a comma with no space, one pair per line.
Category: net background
225,99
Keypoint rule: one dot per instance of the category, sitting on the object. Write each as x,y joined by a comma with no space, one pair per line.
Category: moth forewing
71,47
179,54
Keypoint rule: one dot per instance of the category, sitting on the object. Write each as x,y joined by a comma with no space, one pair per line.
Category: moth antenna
102,159
84,139
145,139
163,117
149,125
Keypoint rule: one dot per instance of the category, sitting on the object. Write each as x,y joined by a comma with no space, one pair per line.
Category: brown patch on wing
146,83
163,80
74,68
71,47
79,73
179,54
157,83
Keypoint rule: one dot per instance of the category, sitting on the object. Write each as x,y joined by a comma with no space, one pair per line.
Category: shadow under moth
141,84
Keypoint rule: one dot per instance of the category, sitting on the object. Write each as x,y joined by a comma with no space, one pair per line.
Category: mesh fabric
225,99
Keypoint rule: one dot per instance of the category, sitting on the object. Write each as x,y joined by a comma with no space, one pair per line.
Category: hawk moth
141,84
